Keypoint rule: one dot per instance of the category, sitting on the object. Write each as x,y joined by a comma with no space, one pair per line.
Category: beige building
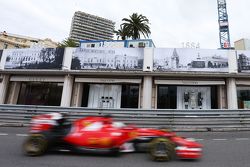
9,41
242,44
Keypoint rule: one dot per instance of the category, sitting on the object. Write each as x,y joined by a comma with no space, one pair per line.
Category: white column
231,94
77,94
148,59
4,56
67,91
147,92
4,87
67,58
232,61
14,92
221,94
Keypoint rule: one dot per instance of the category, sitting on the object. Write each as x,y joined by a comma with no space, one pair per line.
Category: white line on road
199,139
242,139
22,135
219,139
3,134
63,150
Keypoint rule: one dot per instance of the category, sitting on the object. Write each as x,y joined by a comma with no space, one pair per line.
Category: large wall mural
107,58
243,58
164,59
34,58
190,60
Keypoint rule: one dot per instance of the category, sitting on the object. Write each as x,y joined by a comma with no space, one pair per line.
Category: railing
177,120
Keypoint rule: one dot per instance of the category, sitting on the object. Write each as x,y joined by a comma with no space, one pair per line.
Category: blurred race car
100,134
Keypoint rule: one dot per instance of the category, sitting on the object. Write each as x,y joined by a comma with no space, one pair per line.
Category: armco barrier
177,120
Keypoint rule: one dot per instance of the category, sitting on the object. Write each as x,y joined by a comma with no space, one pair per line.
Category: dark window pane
130,96
243,99
214,97
166,97
85,95
48,94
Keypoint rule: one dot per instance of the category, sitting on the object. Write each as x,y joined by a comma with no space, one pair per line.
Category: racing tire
161,149
115,152
35,145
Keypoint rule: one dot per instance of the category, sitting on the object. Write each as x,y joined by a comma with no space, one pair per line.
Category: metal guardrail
177,120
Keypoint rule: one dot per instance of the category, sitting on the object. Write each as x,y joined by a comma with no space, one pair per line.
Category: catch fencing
176,120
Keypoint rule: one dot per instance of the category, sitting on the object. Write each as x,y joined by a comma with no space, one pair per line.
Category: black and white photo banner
172,59
33,58
243,58
107,59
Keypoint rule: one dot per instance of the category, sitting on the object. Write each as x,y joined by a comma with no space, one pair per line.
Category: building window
166,97
187,97
243,95
130,96
36,93
110,96
214,97
104,96
85,95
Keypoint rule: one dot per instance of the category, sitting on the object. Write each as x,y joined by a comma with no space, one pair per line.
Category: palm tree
122,32
136,25
68,43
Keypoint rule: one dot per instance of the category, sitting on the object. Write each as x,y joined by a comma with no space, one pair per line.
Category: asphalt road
221,149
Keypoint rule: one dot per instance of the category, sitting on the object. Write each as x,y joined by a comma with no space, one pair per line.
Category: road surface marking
3,134
242,139
219,139
23,135
64,150
194,139
199,139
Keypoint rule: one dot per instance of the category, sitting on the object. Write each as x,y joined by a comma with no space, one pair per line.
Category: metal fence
177,120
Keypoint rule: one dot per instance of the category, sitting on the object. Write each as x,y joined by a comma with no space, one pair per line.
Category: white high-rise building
85,26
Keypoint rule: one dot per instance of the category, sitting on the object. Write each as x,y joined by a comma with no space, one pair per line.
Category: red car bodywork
99,133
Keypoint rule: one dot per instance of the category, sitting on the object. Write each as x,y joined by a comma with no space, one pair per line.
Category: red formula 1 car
100,134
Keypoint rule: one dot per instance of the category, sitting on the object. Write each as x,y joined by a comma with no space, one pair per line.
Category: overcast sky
172,21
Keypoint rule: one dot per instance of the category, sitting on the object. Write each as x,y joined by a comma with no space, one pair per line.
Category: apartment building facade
85,26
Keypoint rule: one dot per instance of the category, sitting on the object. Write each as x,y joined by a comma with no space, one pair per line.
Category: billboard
172,59
107,58
33,58
243,58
